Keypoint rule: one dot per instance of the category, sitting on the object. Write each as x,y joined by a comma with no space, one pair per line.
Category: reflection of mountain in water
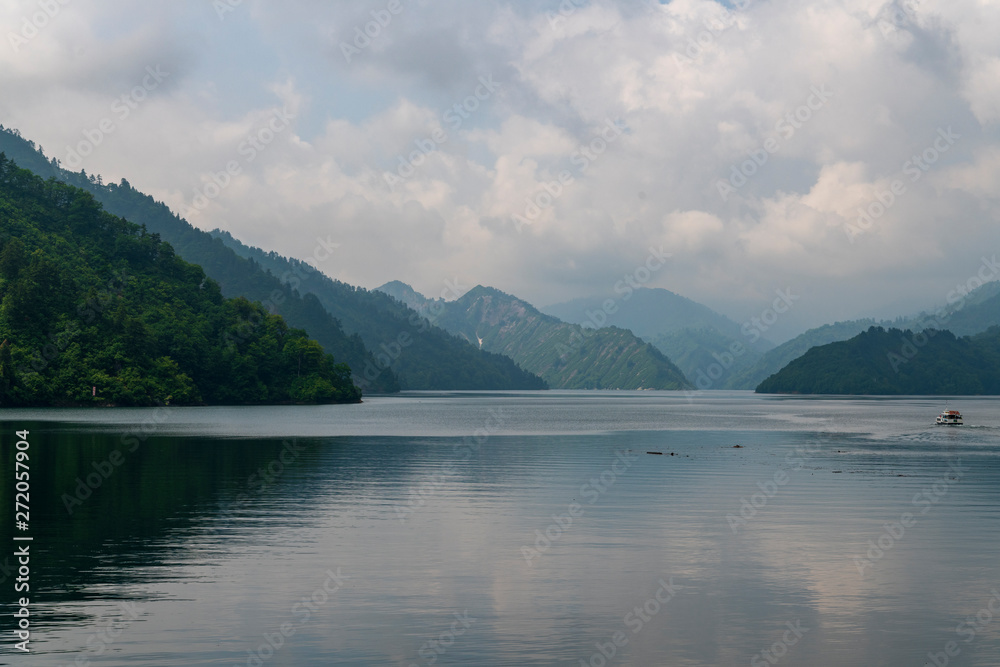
130,512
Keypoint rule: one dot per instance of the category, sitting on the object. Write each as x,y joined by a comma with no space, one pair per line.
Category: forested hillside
895,361
567,356
97,310
423,355
359,327
235,275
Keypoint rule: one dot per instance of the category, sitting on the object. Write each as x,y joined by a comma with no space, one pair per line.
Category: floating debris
657,453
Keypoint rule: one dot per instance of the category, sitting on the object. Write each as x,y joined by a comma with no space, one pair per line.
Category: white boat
949,418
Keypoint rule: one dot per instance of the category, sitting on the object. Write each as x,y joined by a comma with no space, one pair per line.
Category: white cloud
697,98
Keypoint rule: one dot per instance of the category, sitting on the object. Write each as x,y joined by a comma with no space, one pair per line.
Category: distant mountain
96,311
567,356
236,276
646,312
773,361
424,356
706,356
695,337
400,291
967,314
429,357
895,362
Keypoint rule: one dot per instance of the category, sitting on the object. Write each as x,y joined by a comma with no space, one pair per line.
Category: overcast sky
742,138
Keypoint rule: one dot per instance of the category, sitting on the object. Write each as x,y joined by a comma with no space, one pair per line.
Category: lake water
511,529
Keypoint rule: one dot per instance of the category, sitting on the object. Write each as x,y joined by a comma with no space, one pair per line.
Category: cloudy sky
547,149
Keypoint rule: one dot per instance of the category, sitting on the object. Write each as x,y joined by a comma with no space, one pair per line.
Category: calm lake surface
511,529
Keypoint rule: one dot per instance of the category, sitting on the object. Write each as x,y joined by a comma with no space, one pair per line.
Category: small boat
949,418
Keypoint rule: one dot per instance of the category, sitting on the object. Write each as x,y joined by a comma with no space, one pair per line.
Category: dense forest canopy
359,327
95,310
895,362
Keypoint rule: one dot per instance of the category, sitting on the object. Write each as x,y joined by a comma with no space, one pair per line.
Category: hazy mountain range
98,311
567,356
895,362
395,338
695,337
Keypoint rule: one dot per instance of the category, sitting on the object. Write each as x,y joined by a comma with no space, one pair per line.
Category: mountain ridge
158,332
895,362
283,291
690,334
424,355
567,356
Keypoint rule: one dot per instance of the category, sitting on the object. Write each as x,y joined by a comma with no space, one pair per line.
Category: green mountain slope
567,356
695,337
647,312
360,327
894,362
423,356
967,314
706,356
96,310
774,360
236,275
970,314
